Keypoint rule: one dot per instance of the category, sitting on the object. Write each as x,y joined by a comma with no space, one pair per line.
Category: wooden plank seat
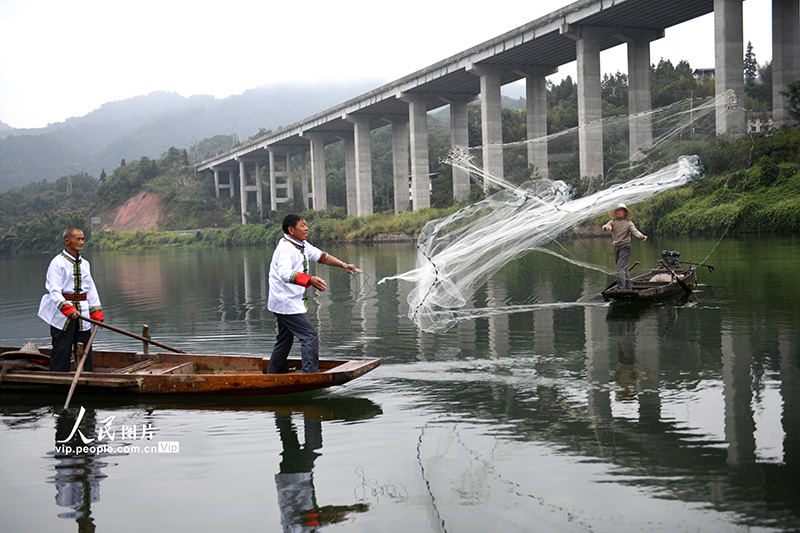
155,367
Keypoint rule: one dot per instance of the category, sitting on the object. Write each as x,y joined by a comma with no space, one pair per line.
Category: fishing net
457,254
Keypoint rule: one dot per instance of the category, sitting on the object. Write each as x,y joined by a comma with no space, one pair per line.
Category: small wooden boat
657,284
667,280
176,373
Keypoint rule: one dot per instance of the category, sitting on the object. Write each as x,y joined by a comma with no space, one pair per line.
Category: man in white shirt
71,292
288,282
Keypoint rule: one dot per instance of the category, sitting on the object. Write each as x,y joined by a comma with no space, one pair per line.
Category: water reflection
77,475
297,497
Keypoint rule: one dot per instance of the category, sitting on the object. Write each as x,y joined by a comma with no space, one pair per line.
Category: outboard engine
671,258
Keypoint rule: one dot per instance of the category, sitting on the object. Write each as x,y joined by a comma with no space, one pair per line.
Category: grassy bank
326,227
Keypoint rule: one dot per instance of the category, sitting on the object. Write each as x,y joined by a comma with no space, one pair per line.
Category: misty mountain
150,125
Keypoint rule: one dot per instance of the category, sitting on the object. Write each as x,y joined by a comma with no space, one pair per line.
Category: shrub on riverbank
763,198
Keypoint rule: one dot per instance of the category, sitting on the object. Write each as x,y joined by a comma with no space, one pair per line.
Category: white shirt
285,294
61,279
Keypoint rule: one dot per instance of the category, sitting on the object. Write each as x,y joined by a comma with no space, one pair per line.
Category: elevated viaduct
577,32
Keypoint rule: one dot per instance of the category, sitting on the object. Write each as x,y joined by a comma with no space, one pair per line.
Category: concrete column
289,181
590,111
536,116
785,55
229,185
420,169
363,167
273,182
640,121
459,136
304,178
243,189
259,193
350,176
400,164
280,177
319,191
639,98
729,65
216,182
491,121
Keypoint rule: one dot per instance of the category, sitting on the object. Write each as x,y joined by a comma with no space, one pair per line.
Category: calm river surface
572,415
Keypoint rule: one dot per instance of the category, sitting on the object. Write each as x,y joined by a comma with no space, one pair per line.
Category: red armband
300,279
97,315
67,309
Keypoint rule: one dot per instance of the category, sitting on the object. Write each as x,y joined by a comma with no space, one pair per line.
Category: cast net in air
457,254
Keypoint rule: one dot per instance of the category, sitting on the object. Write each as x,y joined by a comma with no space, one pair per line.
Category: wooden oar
678,279
80,367
129,334
615,281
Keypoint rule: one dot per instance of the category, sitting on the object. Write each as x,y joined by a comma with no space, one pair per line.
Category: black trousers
63,342
290,326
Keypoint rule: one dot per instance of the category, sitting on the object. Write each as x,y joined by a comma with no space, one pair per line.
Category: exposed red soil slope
143,212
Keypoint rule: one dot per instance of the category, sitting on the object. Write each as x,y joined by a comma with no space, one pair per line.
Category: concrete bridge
578,32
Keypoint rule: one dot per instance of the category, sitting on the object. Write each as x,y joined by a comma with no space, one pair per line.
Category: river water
555,412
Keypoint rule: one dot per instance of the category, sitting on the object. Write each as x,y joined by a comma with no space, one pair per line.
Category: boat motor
671,258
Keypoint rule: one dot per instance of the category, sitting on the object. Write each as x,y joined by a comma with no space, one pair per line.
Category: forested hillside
30,216
149,125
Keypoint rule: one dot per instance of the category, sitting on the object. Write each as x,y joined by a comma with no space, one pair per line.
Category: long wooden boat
177,373
658,284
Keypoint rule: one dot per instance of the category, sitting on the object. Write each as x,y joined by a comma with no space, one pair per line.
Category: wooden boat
667,280
658,284
176,373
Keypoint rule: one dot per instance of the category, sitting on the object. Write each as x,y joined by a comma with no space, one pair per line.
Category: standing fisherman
70,292
288,281
621,229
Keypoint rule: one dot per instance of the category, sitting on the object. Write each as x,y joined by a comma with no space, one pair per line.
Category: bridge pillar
536,116
319,191
246,186
363,167
304,178
280,178
459,136
221,186
258,191
729,65
785,55
243,189
350,175
640,122
590,111
420,169
400,164
491,120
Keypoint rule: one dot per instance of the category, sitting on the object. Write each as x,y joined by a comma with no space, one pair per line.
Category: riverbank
764,198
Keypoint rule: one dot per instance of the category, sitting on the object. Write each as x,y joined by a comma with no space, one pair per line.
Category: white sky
61,59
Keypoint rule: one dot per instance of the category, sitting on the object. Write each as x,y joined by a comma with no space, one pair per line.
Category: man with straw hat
621,229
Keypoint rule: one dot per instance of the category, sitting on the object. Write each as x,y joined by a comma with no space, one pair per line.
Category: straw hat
613,212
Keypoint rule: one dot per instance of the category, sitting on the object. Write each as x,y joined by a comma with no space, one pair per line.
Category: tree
750,66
